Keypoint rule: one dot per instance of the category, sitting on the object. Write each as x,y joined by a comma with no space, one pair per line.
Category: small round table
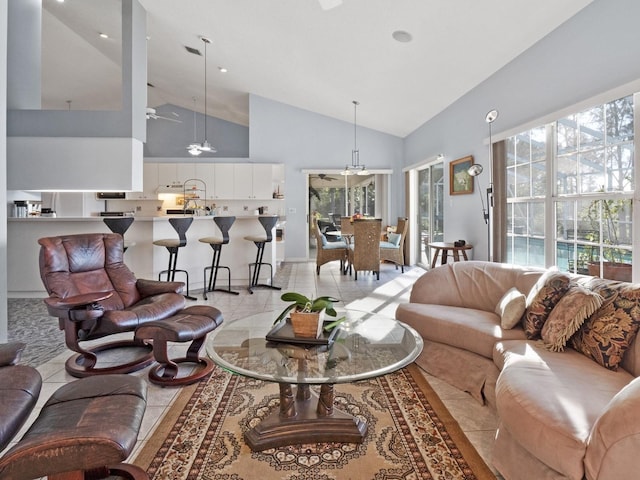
366,345
445,248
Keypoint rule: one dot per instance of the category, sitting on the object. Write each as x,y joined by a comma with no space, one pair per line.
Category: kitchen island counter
144,259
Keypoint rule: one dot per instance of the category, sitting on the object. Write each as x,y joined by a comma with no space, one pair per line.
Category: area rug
411,435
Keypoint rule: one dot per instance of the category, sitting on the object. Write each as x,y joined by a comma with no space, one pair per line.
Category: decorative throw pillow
544,295
511,307
607,334
394,238
578,304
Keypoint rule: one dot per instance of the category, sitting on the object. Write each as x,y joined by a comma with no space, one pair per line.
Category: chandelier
355,168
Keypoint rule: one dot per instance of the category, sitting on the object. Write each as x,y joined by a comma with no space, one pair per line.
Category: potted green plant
307,314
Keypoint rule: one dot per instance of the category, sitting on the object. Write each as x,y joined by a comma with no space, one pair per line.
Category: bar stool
224,224
268,222
180,225
120,225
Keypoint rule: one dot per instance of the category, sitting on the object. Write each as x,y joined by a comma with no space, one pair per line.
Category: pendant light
205,146
194,148
355,168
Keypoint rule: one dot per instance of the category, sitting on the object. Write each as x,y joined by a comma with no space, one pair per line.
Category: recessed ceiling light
402,36
222,70
60,1
103,35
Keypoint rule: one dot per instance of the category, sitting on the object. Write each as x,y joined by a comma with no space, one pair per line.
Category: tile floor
366,293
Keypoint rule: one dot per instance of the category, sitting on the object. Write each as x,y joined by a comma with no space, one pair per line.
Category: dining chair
392,250
364,251
327,251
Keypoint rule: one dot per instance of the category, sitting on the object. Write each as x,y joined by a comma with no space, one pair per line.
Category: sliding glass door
430,209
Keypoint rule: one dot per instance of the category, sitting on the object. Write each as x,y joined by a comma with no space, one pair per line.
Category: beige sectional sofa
562,415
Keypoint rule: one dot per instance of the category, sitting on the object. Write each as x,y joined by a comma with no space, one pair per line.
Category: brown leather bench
89,425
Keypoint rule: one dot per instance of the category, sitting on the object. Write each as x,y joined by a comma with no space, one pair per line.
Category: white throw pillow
511,307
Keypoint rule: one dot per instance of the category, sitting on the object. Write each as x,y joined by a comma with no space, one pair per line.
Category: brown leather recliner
94,294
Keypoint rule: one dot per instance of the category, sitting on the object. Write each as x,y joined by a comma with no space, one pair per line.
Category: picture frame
460,182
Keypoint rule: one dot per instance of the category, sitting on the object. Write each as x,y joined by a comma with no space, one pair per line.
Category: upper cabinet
224,181
149,184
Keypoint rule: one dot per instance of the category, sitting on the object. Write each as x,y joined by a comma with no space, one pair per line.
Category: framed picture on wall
460,182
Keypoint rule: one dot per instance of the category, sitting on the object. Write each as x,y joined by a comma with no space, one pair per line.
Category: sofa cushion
544,295
568,315
511,307
608,333
472,330
549,401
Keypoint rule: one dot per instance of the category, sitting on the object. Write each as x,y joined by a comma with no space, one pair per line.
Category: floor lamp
476,170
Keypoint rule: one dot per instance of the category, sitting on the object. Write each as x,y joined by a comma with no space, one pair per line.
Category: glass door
430,209
332,196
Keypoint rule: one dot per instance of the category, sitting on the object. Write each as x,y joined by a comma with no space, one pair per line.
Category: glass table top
366,345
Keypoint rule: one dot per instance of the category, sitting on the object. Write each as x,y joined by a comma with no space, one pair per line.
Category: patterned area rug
411,435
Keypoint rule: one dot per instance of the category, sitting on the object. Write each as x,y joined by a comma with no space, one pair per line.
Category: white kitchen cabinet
167,174
262,175
185,171
253,181
223,181
207,173
243,181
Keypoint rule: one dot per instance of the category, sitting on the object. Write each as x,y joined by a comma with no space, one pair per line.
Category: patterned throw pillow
511,307
544,295
578,304
607,334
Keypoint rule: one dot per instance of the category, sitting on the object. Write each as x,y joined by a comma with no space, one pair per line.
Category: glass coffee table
365,345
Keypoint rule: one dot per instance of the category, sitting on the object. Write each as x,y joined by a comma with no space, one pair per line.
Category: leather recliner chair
94,294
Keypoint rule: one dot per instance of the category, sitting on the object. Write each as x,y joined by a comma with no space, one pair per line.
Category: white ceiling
297,53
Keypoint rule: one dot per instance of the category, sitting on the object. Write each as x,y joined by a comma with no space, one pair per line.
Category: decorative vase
307,324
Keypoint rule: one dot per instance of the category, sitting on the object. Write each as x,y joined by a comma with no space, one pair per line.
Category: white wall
301,139
593,52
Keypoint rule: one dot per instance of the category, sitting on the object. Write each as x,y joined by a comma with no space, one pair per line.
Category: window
591,166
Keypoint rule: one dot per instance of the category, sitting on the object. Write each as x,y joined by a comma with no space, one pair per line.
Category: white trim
613,94
421,165
333,171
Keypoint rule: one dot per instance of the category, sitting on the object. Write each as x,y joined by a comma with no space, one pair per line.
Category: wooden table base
305,418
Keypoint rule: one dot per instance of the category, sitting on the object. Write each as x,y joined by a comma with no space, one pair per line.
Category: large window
589,175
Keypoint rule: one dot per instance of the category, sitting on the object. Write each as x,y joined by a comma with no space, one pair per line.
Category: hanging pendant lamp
355,168
194,148
205,146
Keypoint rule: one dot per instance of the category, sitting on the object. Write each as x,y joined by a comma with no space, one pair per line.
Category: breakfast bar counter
144,259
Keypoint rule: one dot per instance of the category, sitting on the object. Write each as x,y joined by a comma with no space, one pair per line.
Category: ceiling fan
323,176
329,4
153,115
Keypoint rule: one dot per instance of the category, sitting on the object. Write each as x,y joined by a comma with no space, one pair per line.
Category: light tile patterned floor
366,293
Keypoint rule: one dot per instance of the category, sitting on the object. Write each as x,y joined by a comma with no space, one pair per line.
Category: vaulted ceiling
305,53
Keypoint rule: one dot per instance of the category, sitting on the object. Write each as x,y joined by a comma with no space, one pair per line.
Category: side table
445,248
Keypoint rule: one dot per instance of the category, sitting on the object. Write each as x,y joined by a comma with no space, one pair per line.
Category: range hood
171,188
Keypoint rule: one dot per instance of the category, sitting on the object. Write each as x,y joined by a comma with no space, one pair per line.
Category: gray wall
301,139
594,52
3,171
170,139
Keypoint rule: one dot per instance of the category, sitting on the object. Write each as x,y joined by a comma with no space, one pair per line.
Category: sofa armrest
612,450
148,288
10,353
